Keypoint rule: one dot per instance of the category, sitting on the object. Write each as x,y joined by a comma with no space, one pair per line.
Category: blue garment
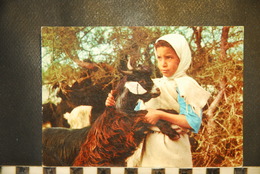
137,107
192,118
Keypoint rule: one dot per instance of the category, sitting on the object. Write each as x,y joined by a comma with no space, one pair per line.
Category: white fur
79,117
135,87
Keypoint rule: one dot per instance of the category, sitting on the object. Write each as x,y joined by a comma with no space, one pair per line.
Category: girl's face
168,61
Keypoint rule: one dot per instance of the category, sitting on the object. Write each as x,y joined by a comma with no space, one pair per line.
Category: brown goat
111,145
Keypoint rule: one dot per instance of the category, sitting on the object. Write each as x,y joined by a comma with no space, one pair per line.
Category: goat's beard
120,102
127,101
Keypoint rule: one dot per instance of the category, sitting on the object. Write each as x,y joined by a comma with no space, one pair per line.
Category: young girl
179,92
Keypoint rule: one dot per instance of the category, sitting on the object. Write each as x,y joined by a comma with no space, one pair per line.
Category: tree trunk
197,32
224,43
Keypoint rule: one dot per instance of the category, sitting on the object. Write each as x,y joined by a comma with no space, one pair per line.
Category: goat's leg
166,129
165,126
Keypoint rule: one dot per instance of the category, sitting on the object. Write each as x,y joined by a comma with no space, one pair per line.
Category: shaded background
20,60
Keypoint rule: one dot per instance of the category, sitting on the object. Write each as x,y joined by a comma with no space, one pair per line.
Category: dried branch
87,65
215,103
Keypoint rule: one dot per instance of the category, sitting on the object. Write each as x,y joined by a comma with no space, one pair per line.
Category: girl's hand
110,101
153,116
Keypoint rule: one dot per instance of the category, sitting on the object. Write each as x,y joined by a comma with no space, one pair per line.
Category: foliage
217,65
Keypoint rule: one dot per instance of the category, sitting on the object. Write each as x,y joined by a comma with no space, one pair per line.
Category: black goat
61,145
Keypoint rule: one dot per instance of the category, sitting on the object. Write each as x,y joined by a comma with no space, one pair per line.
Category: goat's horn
129,66
126,72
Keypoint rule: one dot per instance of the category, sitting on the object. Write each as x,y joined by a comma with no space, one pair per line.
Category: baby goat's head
136,84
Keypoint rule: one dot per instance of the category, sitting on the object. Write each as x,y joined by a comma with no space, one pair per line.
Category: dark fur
114,137
82,92
165,126
61,145
51,114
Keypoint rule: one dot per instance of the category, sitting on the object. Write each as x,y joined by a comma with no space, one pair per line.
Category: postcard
142,96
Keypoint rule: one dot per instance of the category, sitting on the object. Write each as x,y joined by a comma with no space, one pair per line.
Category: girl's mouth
164,71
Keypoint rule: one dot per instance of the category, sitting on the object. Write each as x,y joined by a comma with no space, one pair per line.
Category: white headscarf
181,47
192,92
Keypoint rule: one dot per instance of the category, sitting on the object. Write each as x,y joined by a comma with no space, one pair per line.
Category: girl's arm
187,118
154,115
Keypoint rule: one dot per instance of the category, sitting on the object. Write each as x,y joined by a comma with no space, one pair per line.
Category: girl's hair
162,43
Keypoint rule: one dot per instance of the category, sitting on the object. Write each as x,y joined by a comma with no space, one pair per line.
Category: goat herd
115,134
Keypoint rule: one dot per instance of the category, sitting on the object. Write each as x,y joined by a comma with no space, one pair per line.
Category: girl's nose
164,63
